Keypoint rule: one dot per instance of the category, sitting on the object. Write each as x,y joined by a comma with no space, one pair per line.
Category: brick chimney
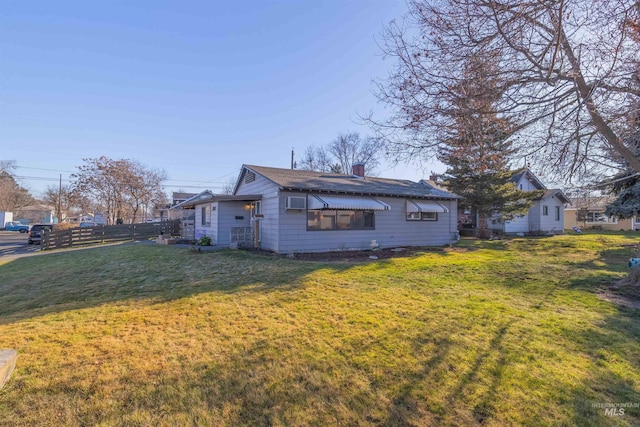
358,169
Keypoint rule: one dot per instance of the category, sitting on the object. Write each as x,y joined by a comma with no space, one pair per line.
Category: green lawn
495,333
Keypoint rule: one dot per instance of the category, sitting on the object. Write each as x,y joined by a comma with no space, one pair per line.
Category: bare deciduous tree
340,154
318,159
61,198
12,195
229,185
567,69
121,187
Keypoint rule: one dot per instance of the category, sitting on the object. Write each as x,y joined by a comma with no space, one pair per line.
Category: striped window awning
425,206
346,203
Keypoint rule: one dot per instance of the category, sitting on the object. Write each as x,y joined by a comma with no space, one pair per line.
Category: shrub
204,241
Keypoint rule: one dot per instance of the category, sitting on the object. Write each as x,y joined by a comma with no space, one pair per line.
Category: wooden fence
80,236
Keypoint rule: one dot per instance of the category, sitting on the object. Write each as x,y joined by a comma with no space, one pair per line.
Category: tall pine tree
477,148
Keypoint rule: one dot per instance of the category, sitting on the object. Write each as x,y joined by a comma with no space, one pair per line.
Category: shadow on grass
56,282
613,344
404,405
484,409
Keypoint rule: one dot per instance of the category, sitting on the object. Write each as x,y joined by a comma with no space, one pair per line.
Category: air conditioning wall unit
296,202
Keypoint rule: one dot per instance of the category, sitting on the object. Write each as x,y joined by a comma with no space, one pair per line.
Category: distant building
40,213
588,212
546,214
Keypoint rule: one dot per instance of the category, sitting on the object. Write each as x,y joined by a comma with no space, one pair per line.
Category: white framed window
557,213
205,212
257,207
545,210
595,217
413,216
422,216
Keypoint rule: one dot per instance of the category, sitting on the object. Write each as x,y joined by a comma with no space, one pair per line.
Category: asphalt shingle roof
302,180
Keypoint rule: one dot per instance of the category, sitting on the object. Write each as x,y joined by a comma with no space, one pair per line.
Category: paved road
14,244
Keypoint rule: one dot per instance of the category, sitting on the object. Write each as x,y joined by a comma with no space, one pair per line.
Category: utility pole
292,163
60,200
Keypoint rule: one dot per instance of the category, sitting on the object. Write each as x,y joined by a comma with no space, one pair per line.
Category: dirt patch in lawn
625,292
622,300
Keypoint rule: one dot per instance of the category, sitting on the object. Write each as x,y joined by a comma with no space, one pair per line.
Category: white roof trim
347,203
425,206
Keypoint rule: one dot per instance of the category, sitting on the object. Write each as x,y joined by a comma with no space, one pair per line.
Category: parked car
35,235
88,224
16,226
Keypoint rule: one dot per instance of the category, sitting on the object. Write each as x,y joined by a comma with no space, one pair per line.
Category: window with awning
342,212
317,202
424,210
425,206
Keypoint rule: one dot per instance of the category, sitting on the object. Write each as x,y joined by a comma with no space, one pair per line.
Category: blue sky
196,88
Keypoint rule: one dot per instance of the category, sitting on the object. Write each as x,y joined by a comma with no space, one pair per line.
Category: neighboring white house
285,210
545,215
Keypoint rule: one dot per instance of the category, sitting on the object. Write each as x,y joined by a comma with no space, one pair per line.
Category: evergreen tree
477,147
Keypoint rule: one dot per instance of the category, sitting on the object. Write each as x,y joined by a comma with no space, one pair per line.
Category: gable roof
311,181
556,193
191,201
526,172
208,197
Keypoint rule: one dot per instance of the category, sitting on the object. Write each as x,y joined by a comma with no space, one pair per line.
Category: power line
43,169
166,184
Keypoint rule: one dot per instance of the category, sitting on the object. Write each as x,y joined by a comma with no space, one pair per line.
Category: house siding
530,221
526,184
222,219
269,225
535,215
203,230
519,224
548,222
391,229
231,214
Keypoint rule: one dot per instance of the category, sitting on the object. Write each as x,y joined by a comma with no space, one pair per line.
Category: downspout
455,234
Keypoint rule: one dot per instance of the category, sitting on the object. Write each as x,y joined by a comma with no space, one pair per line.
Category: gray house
220,216
545,215
284,210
